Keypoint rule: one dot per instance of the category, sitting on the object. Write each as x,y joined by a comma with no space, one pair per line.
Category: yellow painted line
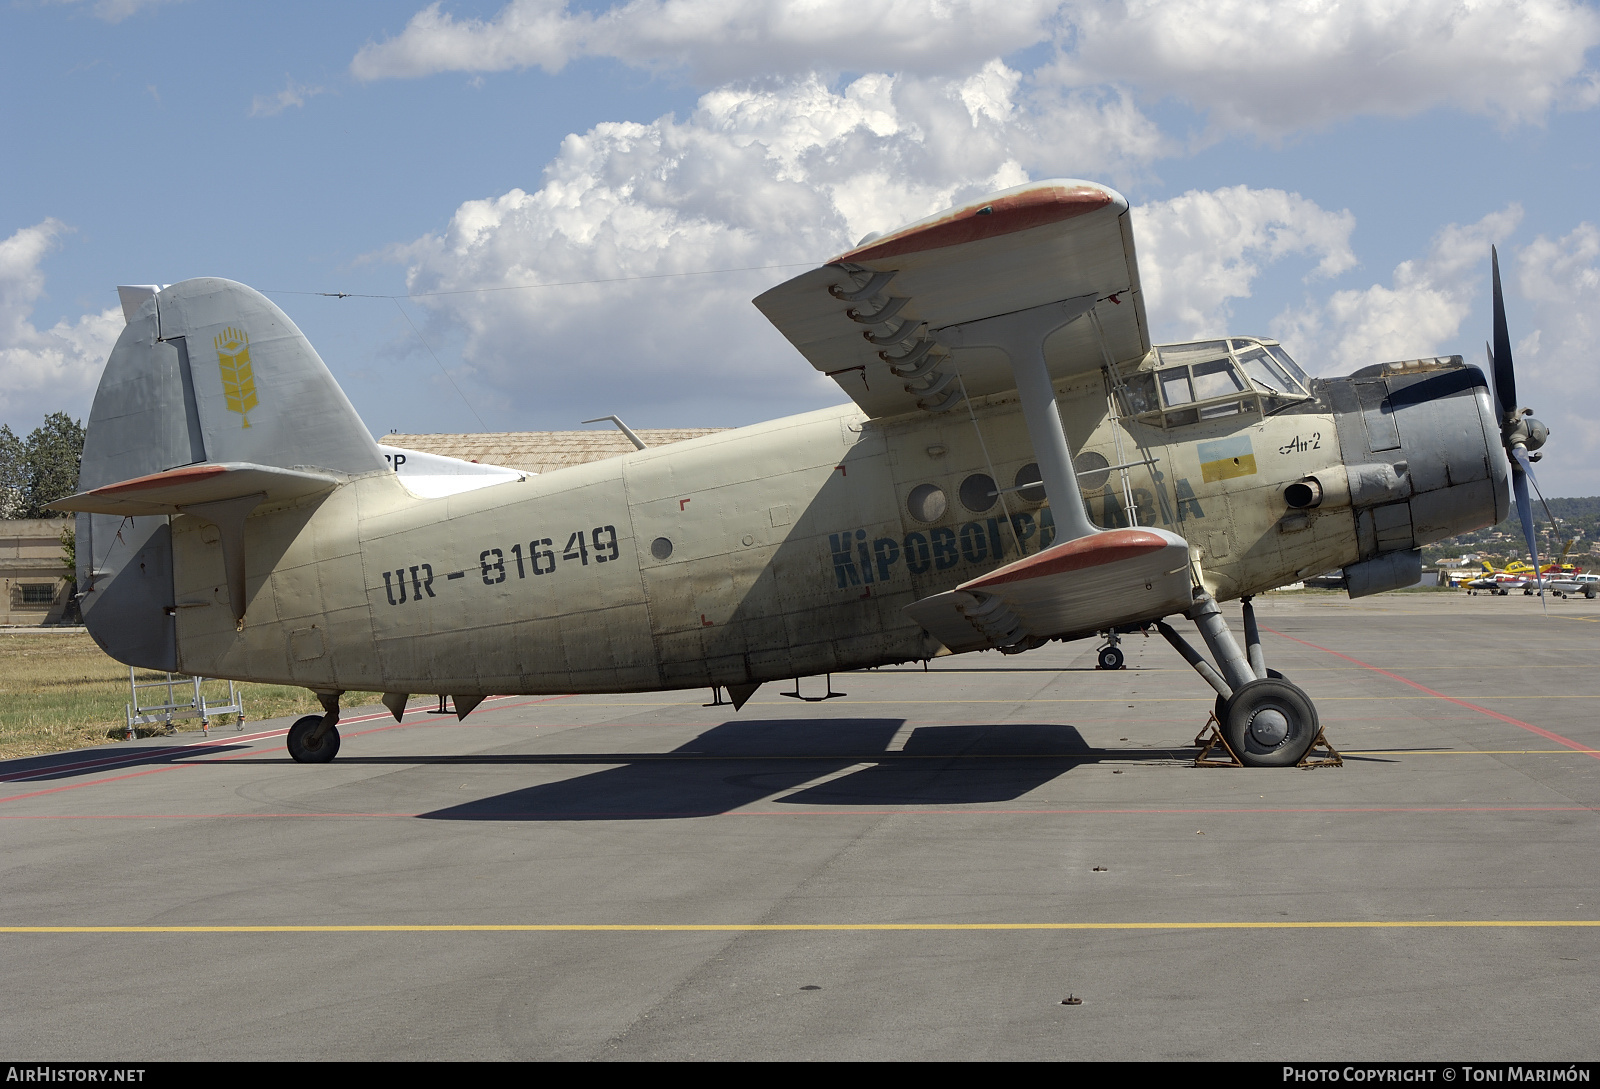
1208,698
1464,752
570,928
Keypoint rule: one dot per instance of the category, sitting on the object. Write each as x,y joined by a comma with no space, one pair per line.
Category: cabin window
978,492
927,503
1027,484
1093,471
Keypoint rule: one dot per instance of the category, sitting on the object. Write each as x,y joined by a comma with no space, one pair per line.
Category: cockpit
1209,379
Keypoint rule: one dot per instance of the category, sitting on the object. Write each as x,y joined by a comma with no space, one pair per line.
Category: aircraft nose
1421,445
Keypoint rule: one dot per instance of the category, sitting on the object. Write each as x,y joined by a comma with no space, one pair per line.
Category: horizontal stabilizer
170,492
1104,580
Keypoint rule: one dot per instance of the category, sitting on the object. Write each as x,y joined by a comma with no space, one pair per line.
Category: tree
54,451
13,474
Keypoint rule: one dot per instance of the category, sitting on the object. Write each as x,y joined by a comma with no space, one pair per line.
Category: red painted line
1197,812
239,755
1576,746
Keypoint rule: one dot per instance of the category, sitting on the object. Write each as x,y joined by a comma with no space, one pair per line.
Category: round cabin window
661,548
1093,471
927,503
1028,484
978,492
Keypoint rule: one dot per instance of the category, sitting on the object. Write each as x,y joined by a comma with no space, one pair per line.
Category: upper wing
863,318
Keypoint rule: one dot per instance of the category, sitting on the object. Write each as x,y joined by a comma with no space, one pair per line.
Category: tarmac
925,868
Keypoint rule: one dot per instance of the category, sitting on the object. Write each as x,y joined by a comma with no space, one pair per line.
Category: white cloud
1557,372
1275,67
716,39
1419,313
792,171
1200,250
48,370
293,94
1251,65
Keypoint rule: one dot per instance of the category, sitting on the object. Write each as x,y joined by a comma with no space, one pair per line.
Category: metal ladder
176,686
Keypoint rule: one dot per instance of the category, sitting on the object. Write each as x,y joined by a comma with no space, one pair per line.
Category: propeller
1519,431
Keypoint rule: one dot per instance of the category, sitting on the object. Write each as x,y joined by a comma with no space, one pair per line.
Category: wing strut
1021,336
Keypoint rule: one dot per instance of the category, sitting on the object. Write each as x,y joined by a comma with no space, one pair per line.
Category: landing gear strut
1266,720
315,738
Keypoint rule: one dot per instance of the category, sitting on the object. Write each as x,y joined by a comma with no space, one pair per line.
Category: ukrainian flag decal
1225,458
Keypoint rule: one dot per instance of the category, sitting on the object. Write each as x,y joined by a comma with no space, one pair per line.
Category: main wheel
1270,724
1222,704
306,751
1589,592
1110,657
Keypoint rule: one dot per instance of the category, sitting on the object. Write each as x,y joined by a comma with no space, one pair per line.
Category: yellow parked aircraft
1017,464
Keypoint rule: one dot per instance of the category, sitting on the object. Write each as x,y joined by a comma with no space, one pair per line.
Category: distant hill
1578,517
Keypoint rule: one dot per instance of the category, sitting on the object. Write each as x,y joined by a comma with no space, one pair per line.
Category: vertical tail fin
206,370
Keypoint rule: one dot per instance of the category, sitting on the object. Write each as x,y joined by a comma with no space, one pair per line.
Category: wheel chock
1321,754
1210,739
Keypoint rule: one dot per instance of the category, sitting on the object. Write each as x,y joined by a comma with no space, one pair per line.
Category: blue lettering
1022,525
1187,500
917,560
973,545
844,564
886,550
866,557
945,555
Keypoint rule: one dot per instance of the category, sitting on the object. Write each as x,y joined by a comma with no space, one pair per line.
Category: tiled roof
543,451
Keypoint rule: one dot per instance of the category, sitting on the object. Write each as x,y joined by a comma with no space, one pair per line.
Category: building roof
543,451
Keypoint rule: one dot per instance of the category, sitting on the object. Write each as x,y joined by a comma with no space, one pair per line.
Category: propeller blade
1505,376
1522,472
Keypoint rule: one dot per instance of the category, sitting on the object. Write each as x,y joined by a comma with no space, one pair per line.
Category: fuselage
789,548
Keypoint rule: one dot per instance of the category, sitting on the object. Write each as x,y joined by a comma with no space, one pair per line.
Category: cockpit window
1139,394
1215,378
1289,365
1175,388
1209,379
1189,353
1265,371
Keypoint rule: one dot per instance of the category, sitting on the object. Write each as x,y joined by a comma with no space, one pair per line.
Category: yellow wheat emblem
238,382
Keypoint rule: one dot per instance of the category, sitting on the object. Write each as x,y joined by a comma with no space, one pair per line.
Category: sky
545,211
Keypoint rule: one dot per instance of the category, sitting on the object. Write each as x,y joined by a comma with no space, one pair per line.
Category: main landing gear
1265,720
315,738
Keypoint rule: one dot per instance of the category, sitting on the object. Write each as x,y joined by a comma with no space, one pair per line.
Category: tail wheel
304,749
1270,724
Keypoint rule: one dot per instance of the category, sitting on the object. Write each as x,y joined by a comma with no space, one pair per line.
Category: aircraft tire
1111,658
1270,724
1222,704
1589,592
326,748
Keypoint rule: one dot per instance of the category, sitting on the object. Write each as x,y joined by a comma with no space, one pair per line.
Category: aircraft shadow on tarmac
81,762
739,763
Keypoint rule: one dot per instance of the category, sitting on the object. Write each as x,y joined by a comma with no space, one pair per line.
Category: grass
61,691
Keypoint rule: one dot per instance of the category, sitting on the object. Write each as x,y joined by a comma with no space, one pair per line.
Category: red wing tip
160,480
1095,550
988,218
